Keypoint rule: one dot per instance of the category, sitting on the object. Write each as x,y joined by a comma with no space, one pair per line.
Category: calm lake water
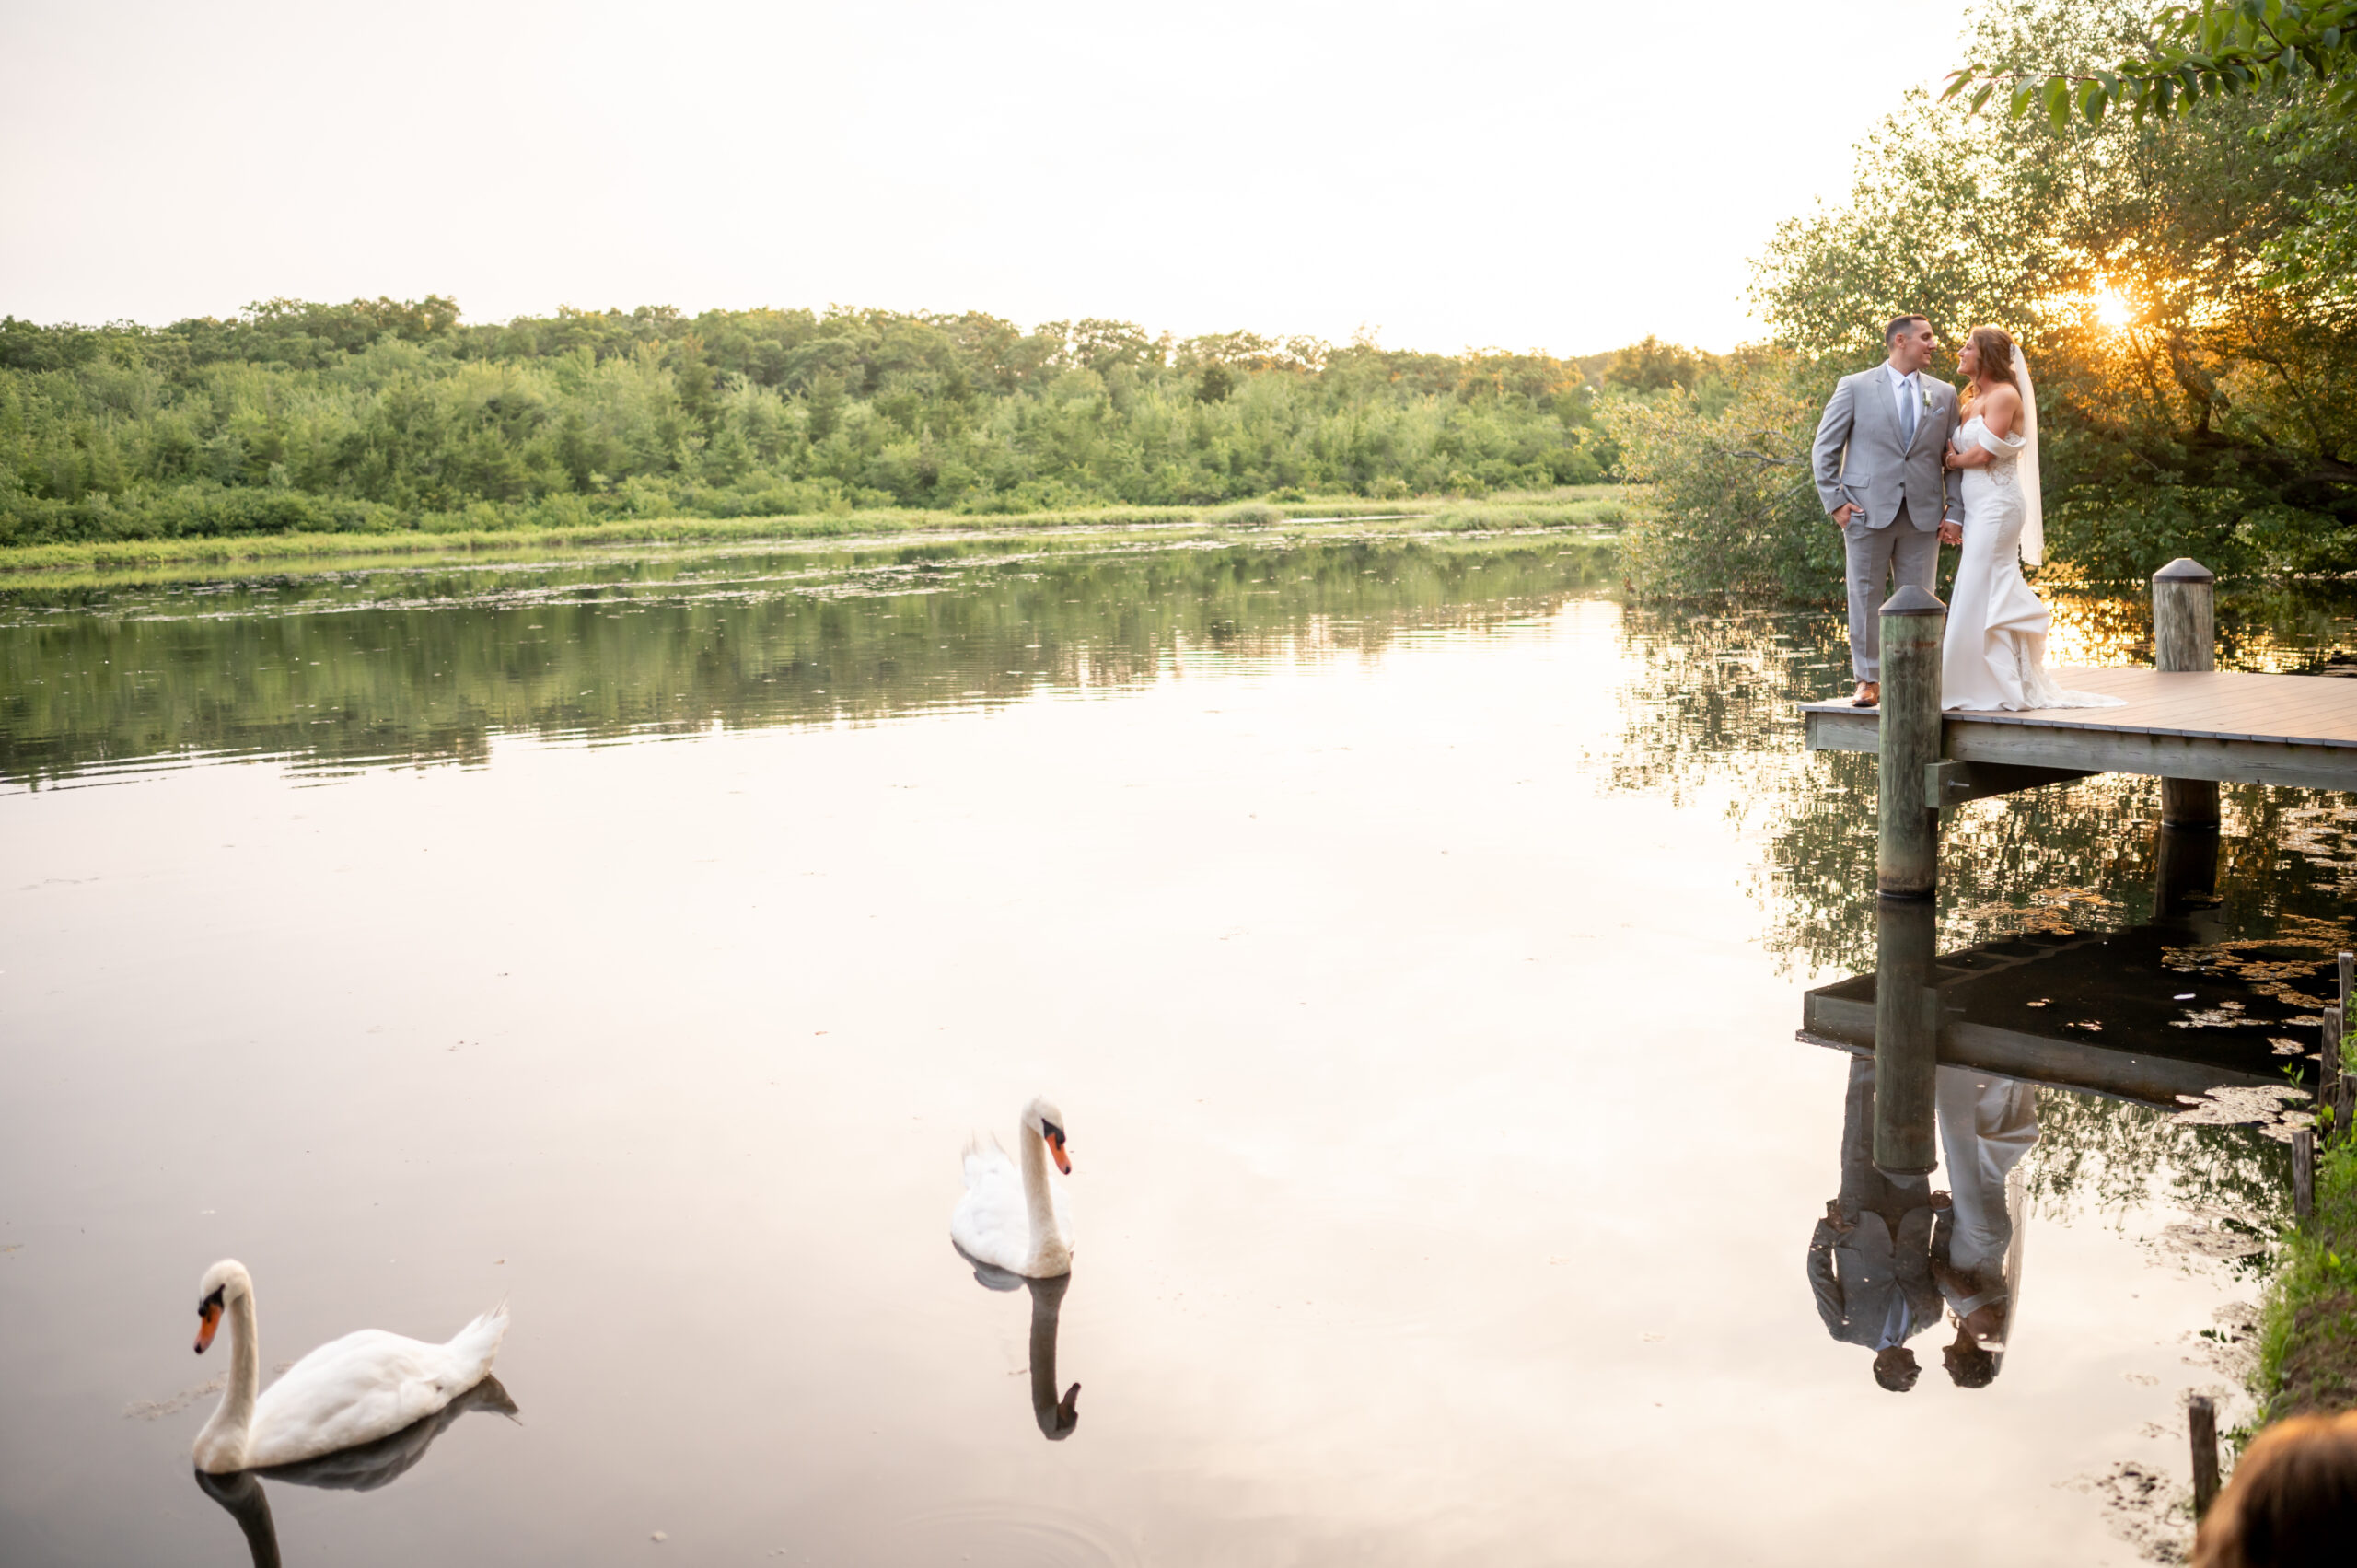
1415,936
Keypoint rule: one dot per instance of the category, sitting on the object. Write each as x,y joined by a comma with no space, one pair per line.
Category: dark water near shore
1414,935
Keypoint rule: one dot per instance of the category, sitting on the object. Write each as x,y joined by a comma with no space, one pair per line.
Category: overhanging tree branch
2219,48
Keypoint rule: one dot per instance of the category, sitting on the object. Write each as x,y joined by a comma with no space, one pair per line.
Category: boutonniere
1927,399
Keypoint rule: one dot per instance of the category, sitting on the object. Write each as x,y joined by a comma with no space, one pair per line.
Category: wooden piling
2331,1071
1907,1032
2337,1024
1907,858
2201,1421
2304,1174
2185,637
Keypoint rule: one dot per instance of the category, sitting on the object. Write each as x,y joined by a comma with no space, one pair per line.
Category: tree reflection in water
1707,721
425,665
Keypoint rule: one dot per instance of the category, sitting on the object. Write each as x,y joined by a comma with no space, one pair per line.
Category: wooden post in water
2329,1066
2185,637
2201,1421
2304,1174
1907,1032
2337,1024
1907,854
2329,1075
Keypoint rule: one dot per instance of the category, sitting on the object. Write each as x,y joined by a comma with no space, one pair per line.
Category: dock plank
2224,724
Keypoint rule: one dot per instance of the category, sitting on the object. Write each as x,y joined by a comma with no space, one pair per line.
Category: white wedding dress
1994,655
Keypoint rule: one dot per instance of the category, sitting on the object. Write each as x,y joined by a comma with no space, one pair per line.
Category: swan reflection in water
361,1468
1056,1417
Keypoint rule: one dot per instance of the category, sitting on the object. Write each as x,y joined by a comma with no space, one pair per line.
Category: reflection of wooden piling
2304,1174
2187,867
2201,1419
1907,1032
2185,637
1907,858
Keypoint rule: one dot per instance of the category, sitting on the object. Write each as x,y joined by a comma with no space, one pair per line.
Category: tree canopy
2194,400
385,413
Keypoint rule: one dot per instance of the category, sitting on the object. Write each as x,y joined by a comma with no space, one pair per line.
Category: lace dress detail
1994,656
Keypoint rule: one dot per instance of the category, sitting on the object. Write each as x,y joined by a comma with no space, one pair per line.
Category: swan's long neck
1048,1244
224,1437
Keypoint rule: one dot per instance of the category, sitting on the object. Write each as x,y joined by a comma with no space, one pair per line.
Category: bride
1995,652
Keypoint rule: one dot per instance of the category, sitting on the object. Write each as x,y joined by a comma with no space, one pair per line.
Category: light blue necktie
1907,404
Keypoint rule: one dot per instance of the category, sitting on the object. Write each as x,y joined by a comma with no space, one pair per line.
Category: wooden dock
2216,725
2102,1012
2187,723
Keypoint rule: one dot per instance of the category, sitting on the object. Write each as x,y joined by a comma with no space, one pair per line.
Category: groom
1877,469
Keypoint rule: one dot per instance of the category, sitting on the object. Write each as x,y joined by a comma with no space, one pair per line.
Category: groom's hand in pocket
1841,515
1951,533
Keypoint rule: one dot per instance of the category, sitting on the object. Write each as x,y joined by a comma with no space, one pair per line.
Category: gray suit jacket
1859,459
1854,1275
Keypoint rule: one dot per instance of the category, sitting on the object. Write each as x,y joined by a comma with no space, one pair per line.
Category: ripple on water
990,1533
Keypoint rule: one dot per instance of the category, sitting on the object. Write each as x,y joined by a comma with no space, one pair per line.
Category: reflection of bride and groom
1890,1251
1904,465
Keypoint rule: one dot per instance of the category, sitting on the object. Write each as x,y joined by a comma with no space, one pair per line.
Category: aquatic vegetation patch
2307,1360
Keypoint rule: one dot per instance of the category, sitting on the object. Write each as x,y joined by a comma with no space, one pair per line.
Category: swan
353,1391
1017,1222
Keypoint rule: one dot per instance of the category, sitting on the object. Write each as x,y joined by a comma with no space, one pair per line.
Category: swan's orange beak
208,1317
1056,1147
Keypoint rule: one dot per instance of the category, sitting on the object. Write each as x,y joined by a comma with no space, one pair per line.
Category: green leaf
2330,37
1956,81
2057,101
1982,96
2092,98
2021,99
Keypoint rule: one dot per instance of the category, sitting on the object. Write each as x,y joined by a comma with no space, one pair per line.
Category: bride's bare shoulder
2000,396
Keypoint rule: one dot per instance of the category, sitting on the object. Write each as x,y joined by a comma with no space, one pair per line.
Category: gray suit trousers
1894,555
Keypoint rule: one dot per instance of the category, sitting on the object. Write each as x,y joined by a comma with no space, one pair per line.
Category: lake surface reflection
1415,935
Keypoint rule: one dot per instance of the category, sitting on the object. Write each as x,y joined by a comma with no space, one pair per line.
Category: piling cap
2185,569
1912,600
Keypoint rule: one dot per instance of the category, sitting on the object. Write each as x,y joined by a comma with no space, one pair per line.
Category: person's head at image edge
2293,1502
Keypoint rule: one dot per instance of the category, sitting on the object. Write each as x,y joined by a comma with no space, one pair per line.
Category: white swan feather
367,1385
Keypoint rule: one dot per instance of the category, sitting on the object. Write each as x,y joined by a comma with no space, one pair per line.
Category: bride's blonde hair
1995,347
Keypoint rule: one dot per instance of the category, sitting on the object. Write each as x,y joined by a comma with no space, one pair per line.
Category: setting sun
2113,310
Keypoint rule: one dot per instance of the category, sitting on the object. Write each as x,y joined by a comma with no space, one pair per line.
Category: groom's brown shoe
1869,695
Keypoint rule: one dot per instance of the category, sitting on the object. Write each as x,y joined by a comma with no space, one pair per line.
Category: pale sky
1566,175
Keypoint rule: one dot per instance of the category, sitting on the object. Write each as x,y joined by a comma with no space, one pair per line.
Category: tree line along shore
381,416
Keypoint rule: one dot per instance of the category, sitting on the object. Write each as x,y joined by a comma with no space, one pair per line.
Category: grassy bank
2307,1357
1569,506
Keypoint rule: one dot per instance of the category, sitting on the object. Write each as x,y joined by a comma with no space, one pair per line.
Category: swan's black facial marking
1055,1137
208,1317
